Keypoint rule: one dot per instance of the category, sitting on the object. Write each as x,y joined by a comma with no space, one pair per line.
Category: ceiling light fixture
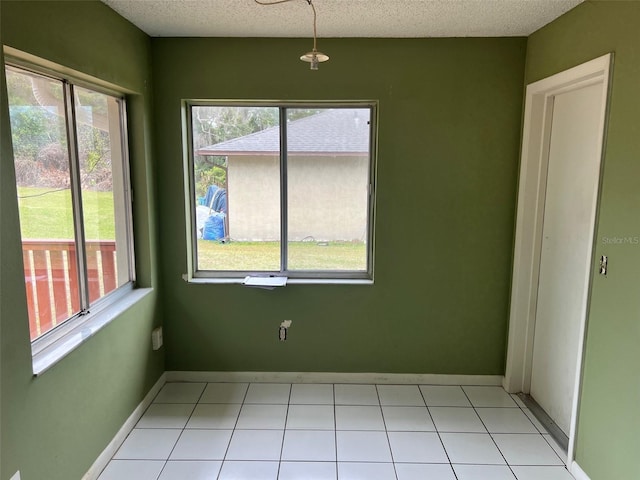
314,57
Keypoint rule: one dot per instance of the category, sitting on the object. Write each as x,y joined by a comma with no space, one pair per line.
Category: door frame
536,137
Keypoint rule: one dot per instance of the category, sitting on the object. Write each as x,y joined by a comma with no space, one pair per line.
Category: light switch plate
16,476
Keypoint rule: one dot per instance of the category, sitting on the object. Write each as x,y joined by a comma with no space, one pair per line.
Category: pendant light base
314,58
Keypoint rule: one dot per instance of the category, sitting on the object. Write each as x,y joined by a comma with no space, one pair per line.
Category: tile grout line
455,475
233,430
544,436
489,433
522,409
184,428
174,446
384,423
181,430
541,433
284,429
172,449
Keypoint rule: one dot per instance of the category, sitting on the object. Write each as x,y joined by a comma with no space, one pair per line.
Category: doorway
557,205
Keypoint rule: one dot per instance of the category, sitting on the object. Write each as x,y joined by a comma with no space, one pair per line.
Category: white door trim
529,222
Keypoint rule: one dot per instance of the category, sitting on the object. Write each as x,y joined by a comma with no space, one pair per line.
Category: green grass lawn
265,256
47,213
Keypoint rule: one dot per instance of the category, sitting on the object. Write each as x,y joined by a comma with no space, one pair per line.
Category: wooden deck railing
51,277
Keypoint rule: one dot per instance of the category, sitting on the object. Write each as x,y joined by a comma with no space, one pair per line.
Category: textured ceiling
341,18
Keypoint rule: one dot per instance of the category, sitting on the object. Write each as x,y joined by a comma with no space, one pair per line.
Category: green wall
54,426
609,419
449,129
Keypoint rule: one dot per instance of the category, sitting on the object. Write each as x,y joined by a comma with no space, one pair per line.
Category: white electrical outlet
156,338
282,331
16,476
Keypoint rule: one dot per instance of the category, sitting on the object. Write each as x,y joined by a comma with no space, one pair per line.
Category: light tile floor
261,431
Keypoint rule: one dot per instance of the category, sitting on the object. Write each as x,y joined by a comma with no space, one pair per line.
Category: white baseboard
577,472
104,458
330,377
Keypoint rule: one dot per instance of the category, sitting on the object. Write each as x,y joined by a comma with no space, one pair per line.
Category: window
281,189
73,196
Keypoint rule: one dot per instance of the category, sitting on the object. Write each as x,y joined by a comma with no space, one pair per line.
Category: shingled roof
336,131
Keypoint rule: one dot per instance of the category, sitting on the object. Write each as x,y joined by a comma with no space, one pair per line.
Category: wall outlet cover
156,338
16,476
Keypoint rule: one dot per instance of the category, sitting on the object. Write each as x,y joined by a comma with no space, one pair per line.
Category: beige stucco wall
253,197
327,198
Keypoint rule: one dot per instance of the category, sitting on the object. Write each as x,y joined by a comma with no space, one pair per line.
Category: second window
282,189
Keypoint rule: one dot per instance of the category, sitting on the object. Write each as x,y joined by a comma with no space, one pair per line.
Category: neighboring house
328,178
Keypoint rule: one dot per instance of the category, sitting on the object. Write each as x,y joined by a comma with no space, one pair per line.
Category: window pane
103,191
236,153
37,116
328,184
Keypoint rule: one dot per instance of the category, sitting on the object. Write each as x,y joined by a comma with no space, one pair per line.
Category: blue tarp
216,202
214,227
216,199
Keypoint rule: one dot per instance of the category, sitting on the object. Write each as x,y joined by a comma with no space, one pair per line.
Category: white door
567,237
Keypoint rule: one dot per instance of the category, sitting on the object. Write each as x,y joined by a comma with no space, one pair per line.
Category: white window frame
52,346
194,275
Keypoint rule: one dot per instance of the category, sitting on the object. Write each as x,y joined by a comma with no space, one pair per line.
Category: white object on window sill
47,354
290,281
268,283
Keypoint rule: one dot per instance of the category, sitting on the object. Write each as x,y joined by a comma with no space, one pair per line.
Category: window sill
290,281
47,354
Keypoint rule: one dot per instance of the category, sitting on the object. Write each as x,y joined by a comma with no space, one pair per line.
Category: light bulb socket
314,58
